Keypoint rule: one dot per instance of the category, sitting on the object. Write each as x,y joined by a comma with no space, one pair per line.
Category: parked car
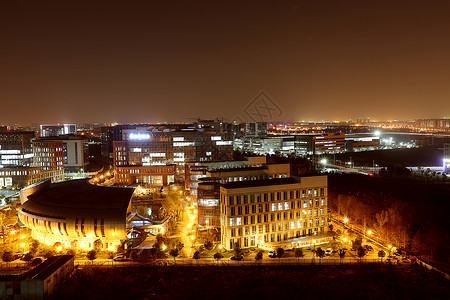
328,251
272,254
37,261
17,255
121,258
368,247
241,257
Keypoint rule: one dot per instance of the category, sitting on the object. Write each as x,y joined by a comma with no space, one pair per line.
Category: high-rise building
74,147
274,212
57,129
49,156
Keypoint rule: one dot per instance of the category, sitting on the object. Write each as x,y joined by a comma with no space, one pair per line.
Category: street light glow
346,220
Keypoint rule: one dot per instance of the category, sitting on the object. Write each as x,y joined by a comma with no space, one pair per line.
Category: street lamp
369,232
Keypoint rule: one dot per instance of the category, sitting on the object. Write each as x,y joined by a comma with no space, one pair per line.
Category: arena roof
69,197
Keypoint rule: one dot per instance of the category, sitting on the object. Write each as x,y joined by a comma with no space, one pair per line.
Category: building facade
146,176
49,156
74,152
146,147
21,177
273,212
16,149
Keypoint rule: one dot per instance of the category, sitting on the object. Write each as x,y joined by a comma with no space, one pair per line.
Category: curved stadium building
76,213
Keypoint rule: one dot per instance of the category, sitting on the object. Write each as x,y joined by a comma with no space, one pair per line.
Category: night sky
156,61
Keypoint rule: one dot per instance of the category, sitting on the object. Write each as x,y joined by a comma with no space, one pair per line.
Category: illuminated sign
139,136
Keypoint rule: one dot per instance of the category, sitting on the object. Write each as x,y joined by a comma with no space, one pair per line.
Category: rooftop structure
76,213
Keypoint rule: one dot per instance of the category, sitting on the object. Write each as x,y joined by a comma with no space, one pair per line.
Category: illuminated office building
274,212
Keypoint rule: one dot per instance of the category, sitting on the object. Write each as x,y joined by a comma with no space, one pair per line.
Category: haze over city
166,61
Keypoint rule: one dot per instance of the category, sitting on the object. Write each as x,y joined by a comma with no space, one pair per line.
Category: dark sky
155,61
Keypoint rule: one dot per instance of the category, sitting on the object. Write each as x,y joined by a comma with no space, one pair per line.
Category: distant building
446,159
255,129
76,213
57,129
300,145
274,212
171,146
360,142
39,282
329,143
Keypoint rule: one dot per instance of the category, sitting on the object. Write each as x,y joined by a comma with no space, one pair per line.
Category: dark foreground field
259,282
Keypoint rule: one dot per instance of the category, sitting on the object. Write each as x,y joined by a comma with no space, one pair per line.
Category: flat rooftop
264,182
47,268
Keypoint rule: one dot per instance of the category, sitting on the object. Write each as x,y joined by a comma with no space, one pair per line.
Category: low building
39,282
146,176
76,213
21,177
274,212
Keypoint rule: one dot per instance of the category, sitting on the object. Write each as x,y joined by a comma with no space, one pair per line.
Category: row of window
273,207
257,220
252,241
286,195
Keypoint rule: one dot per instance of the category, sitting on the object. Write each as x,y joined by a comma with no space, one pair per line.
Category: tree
330,227
237,250
134,255
356,244
7,256
91,255
259,255
49,254
298,253
34,246
174,253
361,253
280,252
71,252
320,253
196,255
381,255
209,245
341,253
98,245
28,257
218,256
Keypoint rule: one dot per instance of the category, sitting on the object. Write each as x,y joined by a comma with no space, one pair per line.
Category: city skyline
156,62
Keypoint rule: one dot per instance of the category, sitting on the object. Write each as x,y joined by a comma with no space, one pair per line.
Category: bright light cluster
139,136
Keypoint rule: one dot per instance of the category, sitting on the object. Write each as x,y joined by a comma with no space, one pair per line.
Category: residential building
273,212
